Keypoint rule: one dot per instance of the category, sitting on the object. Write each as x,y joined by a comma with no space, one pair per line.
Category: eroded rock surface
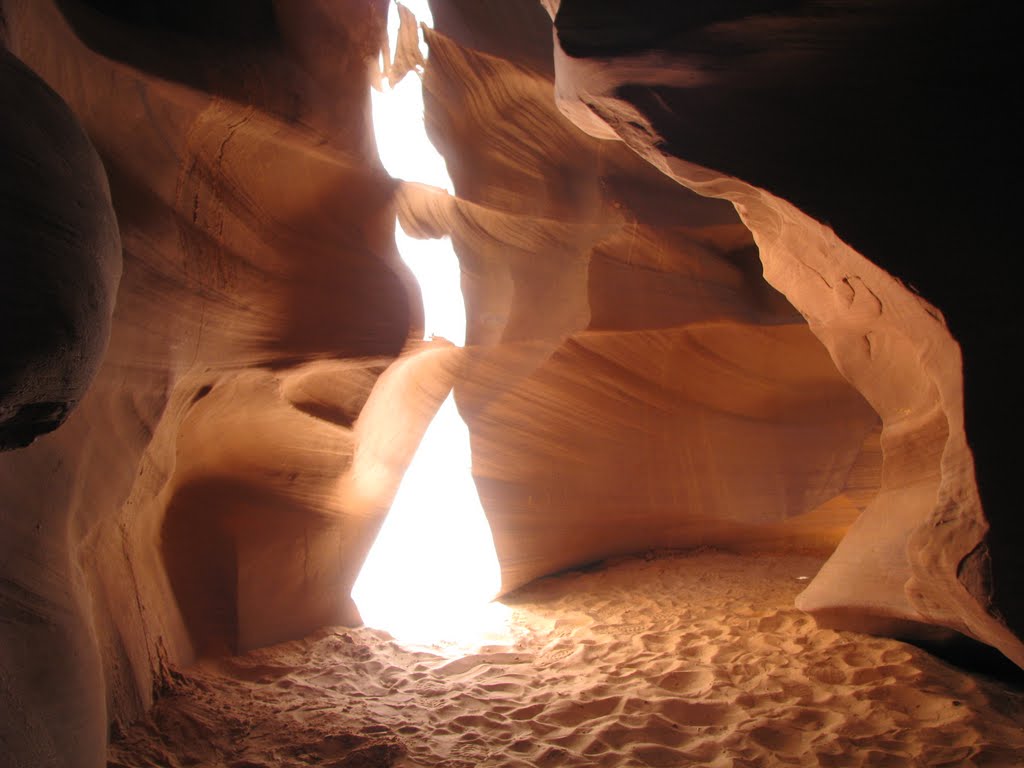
253,250
858,118
61,257
622,381
630,381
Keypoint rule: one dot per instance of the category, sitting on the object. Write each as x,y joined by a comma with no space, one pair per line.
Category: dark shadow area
977,658
892,122
614,28
218,46
515,31
202,567
946,644
223,20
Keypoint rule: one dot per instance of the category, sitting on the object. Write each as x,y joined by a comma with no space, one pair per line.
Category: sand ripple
675,661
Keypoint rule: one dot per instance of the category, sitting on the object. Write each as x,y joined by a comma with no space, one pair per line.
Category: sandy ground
673,661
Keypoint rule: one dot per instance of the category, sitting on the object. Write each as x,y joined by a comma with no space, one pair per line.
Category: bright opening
432,572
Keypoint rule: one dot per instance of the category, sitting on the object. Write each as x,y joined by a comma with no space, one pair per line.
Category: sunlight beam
433,570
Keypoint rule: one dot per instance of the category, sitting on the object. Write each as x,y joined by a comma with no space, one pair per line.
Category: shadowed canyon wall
870,118
62,259
630,380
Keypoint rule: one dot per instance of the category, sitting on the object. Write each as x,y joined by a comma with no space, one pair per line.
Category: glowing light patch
433,570
402,142
437,271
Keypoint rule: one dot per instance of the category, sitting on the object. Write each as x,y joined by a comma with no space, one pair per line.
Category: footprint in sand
572,713
922,706
773,623
857,659
780,740
558,655
656,755
687,681
474,753
810,719
526,713
618,629
628,629
876,674
697,713
657,642
895,656
827,673
509,688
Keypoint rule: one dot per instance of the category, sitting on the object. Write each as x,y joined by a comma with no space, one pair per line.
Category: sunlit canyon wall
630,380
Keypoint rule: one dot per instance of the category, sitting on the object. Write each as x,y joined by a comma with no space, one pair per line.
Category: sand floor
681,660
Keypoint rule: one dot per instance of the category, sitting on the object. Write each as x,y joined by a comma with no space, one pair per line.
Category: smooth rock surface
61,257
843,125
630,381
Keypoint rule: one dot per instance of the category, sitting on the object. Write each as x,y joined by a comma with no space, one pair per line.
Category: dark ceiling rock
60,261
892,123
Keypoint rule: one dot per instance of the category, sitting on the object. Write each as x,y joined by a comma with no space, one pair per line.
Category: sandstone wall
866,146
630,381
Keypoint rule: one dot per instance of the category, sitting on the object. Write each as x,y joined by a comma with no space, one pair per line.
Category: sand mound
672,661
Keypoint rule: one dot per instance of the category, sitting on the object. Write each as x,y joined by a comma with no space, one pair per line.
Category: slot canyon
735,394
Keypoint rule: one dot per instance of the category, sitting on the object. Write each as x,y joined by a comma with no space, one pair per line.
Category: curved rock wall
630,381
60,262
61,258
633,382
256,257
821,109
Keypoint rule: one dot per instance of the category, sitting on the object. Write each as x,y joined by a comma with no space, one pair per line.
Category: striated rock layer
260,299
858,116
630,381
626,386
